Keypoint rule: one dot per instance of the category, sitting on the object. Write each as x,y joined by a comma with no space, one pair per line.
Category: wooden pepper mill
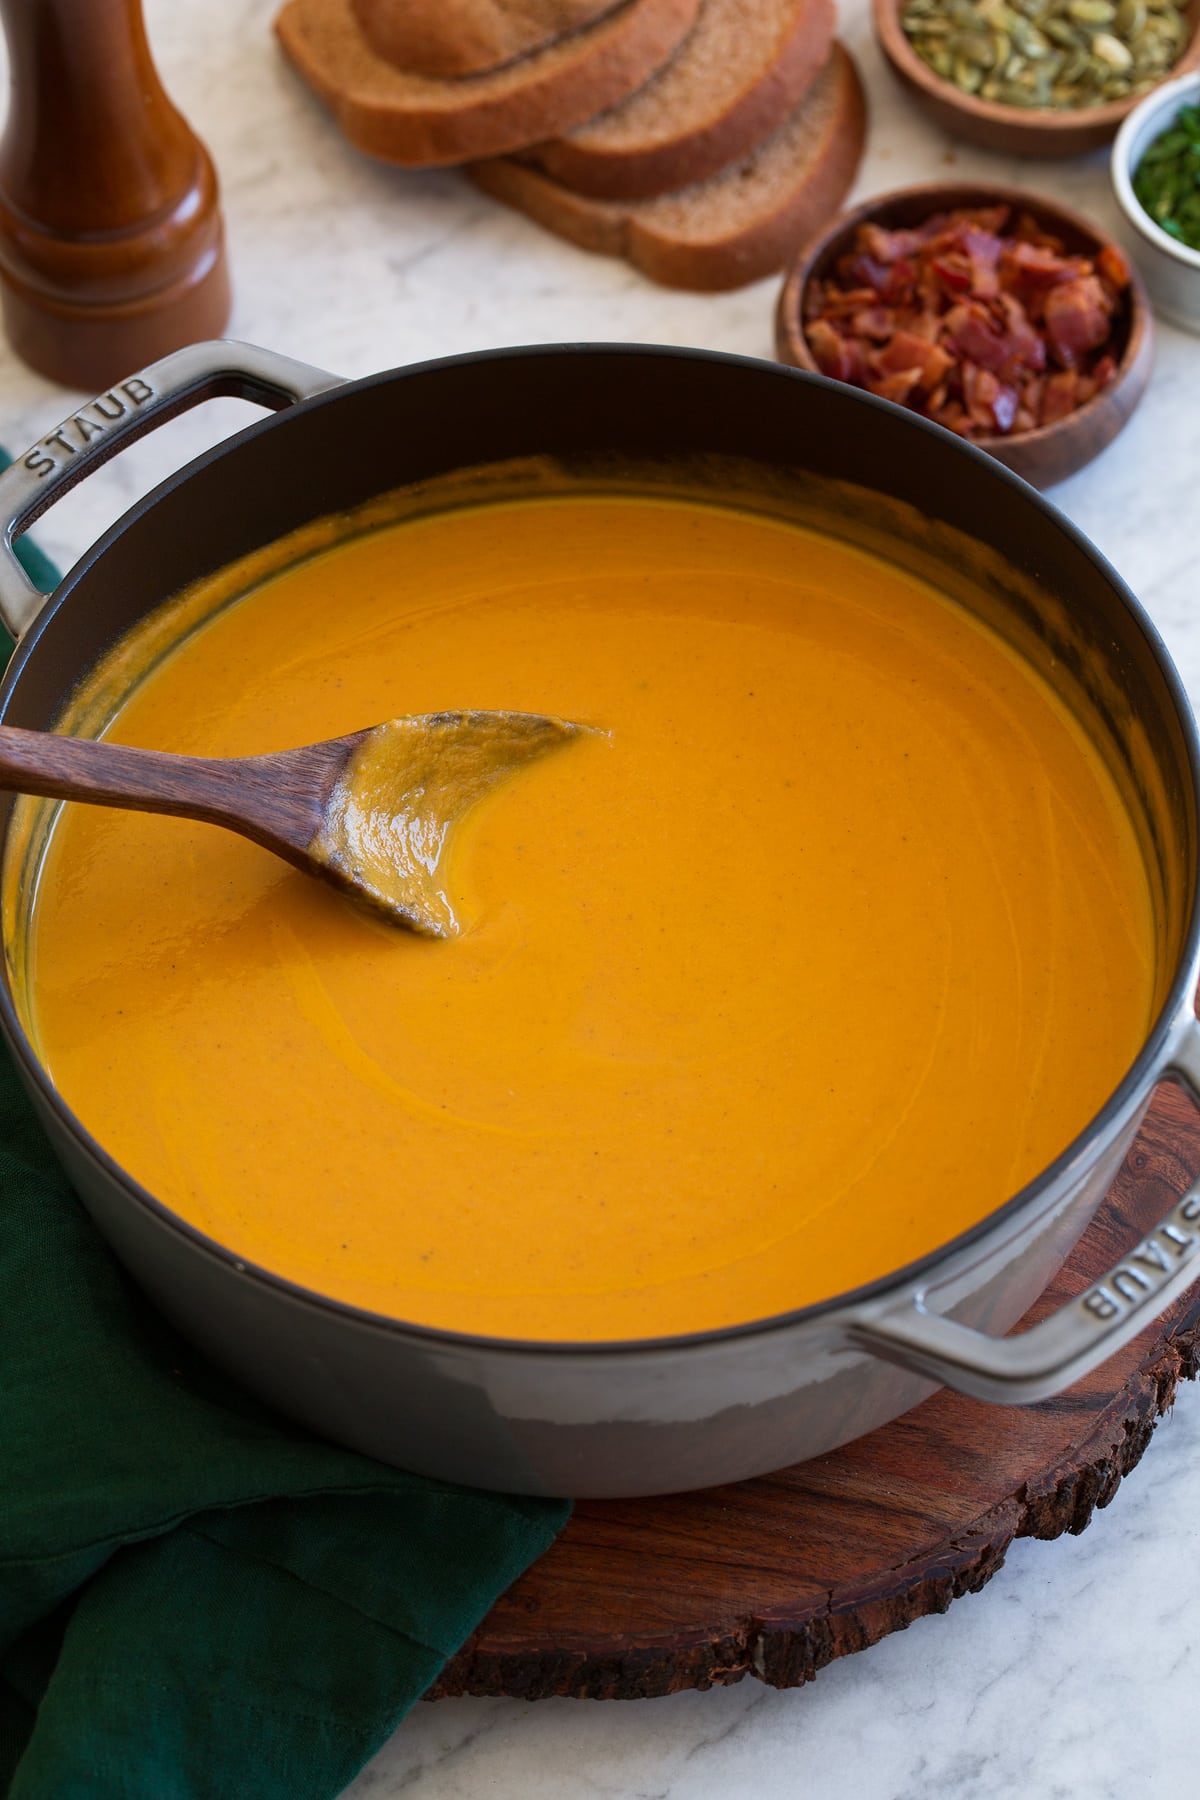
111,243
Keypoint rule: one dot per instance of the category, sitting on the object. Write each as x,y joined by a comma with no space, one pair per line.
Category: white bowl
1171,270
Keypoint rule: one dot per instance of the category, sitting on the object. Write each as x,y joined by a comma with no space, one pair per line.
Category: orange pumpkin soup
834,937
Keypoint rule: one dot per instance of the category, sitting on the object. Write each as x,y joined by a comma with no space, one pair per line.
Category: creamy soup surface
837,936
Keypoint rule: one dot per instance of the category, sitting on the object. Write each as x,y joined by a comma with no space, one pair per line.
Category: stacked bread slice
418,119
703,140
469,37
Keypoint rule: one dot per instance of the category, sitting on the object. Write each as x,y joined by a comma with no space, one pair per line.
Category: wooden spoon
370,812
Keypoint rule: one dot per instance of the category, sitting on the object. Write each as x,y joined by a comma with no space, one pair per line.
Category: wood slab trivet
777,1577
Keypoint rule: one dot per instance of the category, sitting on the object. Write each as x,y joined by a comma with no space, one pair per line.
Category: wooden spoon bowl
369,813
1013,130
1050,452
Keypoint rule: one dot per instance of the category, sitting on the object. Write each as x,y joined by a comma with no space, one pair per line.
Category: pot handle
130,409
1062,1349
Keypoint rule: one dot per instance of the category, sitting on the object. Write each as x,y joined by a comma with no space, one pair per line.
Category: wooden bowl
1014,130
1049,453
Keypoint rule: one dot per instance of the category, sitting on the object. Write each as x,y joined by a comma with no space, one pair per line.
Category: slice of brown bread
422,119
741,70
738,225
467,37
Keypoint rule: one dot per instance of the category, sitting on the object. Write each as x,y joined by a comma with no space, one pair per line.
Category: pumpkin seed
1130,21
1056,53
1028,40
1112,51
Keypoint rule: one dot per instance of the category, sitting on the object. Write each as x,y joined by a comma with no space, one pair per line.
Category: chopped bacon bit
983,250
984,326
830,350
1059,397
895,387
1035,265
991,404
1114,268
907,351
866,272
901,280
839,303
1025,345
954,271
1077,316
924,325
1030,232
1004,407
989,218
969,329
878,322
840,357
888,246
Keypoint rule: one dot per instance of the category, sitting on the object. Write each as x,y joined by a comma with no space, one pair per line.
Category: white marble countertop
1075,1671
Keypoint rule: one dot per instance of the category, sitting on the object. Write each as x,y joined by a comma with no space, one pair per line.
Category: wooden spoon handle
277,801
64,768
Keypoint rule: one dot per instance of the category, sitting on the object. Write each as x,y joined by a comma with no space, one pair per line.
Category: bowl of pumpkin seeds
1036,77
1156,179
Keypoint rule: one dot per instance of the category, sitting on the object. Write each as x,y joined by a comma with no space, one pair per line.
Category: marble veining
1075,1671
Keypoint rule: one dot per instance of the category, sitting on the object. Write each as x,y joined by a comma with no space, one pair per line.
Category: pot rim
1146,1069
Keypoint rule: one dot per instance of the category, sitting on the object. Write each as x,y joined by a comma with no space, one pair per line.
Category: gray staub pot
668,1414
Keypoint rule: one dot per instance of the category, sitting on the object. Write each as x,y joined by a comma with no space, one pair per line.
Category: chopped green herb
1167,179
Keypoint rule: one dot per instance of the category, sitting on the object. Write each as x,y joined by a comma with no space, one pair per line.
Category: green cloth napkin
198,1601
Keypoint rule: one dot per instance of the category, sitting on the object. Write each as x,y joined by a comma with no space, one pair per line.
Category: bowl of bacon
996,314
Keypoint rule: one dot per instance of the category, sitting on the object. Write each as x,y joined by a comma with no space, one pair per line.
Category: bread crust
773,229
468,37
422,121
701,146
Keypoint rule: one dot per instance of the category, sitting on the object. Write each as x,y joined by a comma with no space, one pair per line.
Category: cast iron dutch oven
667,1414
